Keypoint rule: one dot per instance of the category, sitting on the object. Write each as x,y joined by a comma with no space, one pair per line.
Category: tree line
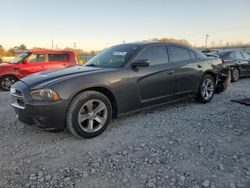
11,51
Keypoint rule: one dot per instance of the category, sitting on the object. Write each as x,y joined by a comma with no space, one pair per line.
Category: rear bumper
224,79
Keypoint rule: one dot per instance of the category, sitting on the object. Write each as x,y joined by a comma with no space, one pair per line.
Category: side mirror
25,61
140,63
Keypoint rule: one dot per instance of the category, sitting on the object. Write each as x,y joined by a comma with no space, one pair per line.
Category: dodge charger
120,79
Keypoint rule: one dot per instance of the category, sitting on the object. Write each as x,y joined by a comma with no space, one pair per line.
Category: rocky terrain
187,144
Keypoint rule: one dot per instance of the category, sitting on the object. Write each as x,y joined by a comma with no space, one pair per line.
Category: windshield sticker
119,53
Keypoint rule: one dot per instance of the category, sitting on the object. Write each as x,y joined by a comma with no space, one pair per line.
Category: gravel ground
181,145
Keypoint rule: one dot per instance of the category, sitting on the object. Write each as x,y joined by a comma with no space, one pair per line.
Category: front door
34,63
154,82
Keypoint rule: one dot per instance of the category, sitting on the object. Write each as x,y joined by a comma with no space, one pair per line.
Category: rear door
56,61
155,82
188,69
35,63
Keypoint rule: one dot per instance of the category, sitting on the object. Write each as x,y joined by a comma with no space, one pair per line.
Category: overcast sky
96,24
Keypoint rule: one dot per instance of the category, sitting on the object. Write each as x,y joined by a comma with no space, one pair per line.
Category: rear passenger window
192,54
58,57
179,54
156,55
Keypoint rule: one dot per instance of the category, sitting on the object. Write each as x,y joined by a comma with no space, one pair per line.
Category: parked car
239,62
32,62
122,78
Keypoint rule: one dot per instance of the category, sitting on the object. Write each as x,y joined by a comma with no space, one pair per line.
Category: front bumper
42,115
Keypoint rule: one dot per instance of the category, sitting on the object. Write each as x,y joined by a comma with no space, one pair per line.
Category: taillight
224,61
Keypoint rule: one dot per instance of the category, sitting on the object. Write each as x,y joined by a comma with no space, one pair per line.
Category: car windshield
19,58
113,57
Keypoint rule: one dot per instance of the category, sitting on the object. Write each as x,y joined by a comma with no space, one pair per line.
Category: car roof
148,43
50,51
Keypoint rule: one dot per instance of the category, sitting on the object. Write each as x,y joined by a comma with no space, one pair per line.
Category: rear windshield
224,53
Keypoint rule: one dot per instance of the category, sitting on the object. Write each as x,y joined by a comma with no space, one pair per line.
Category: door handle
170,72
199,66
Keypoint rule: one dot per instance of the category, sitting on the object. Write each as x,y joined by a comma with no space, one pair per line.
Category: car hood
46,77
6,65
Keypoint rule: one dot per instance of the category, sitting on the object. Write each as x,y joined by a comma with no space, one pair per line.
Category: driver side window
156,55
36,58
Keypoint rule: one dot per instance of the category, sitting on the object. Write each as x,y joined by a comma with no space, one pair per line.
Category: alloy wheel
236,74
92,115
207,89
7,82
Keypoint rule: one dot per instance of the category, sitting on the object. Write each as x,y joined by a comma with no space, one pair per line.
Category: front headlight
45,95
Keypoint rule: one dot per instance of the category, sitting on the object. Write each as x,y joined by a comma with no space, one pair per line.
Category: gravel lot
181,145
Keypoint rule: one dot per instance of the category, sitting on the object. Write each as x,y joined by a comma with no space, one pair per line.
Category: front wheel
206,89
7,81
89,114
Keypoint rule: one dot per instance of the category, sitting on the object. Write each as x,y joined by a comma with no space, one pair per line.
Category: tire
235,73
7,81
206,89
89,114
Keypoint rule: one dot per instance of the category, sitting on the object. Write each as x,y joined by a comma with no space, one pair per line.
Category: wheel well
9,75
107,93
211,74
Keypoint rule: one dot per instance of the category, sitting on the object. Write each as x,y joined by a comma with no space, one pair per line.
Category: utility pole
52,43
206,40
75,45
220,43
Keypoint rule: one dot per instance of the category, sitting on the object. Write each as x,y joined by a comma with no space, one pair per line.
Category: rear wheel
206,89
7,81
89,114
235,74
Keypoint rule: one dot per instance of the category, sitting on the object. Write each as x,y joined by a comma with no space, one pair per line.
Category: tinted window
58,57
179,54
36,58
156,55
192,54
238,55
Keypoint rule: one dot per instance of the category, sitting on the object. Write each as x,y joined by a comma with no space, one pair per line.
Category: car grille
17,99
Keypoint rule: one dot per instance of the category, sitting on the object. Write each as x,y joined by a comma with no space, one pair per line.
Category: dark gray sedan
122,78
239,62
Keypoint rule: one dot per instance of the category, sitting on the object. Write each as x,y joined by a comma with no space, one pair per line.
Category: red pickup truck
31,62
